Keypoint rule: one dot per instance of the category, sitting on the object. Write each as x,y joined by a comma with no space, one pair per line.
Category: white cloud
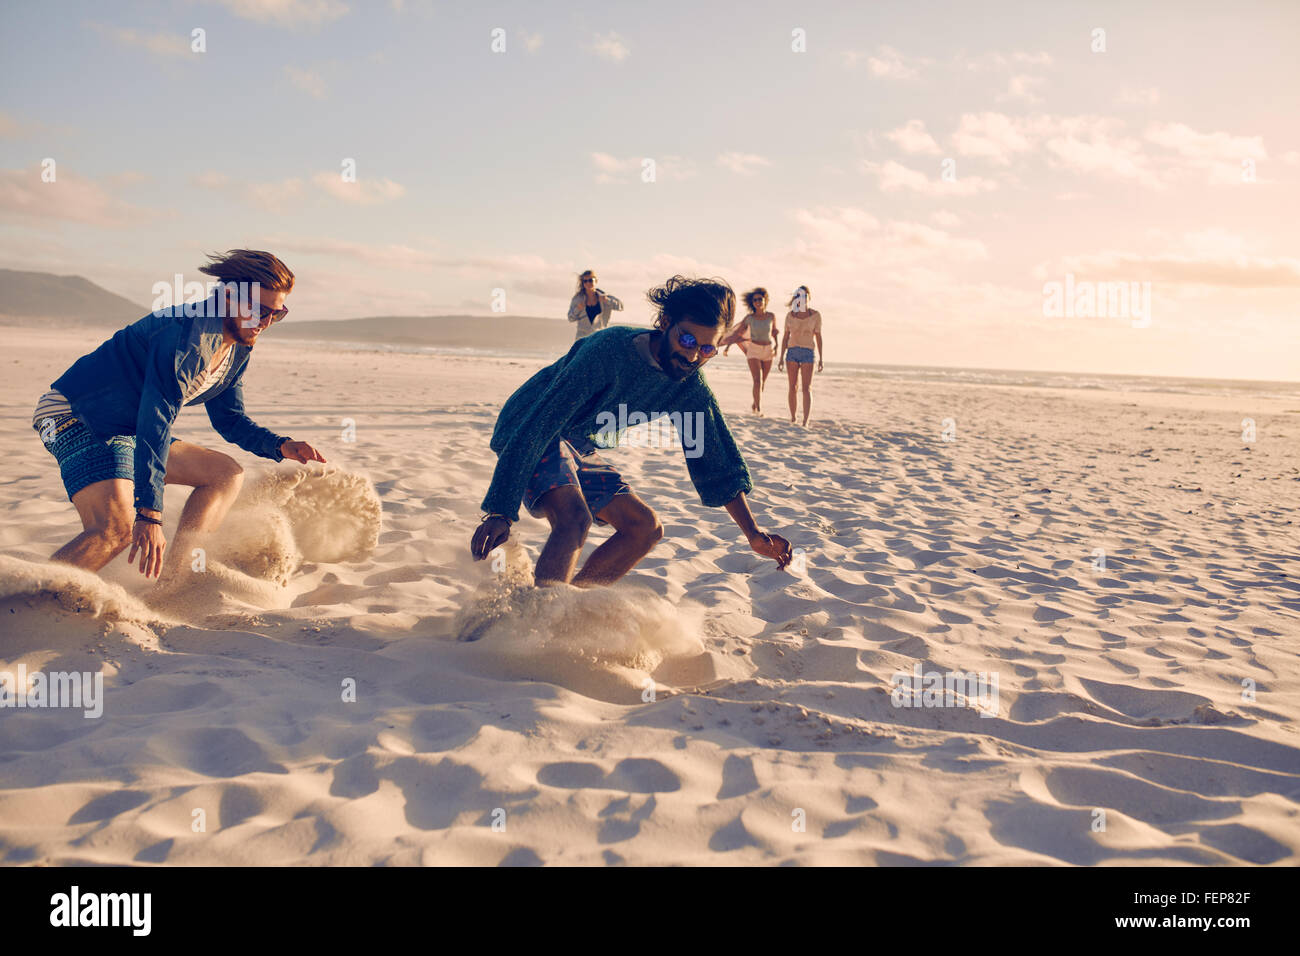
672,167
612,169
389,255
1130,96
70,198
287,13
987,62
1214,241
1230,271
1021,88
1099,146
946,219
1218,156
610,46
1195,145
893,176
159,44
1193,262
743,163
992,136
918,236
211,180
363,191
1094,146
912,137
311,83
525,273
272,195
891,64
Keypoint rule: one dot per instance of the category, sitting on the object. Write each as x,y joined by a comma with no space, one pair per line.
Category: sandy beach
1121,564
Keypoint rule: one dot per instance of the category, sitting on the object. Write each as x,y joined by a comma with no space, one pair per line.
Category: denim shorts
796,355
85,458
562,464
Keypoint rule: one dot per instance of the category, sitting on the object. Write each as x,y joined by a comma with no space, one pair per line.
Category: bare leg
566,510
107,515
806,371
756,370
216,479
637,531
793,369
767,367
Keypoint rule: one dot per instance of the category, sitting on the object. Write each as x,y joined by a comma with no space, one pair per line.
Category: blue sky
1167,158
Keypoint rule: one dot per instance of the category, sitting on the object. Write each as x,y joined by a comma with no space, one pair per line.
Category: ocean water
1079,380
911,373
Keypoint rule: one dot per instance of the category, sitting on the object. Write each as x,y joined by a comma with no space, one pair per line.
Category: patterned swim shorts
84,458
562,464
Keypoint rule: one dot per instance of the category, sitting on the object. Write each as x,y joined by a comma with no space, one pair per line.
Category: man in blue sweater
546,435
107,420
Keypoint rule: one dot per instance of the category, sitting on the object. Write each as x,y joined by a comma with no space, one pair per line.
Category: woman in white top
591,307
756,335
803,330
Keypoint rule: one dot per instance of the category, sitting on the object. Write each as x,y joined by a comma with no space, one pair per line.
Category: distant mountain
498,333
63,300
42,298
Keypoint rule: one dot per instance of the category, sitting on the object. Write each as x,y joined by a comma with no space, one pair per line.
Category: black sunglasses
261,312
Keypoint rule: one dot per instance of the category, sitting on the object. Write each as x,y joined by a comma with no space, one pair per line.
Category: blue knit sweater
579,396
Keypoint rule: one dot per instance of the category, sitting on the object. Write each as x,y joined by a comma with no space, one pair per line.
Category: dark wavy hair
702,301
752,294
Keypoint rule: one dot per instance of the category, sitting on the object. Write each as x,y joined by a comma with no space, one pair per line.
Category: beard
242,334
674,366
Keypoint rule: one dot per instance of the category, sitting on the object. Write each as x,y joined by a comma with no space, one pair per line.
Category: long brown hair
250,265
586,275
752,294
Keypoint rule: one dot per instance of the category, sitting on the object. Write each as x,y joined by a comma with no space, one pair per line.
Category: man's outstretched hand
772,546
491,534
147,538
300,451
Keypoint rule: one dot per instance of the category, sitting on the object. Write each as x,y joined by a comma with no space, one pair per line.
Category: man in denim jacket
108,418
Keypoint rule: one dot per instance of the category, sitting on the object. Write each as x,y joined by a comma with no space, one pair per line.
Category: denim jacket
578,313
133,385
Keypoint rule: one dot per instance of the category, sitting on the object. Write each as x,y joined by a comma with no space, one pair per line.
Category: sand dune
1121,563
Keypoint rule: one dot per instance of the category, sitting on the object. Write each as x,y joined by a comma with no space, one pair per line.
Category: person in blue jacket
107,420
